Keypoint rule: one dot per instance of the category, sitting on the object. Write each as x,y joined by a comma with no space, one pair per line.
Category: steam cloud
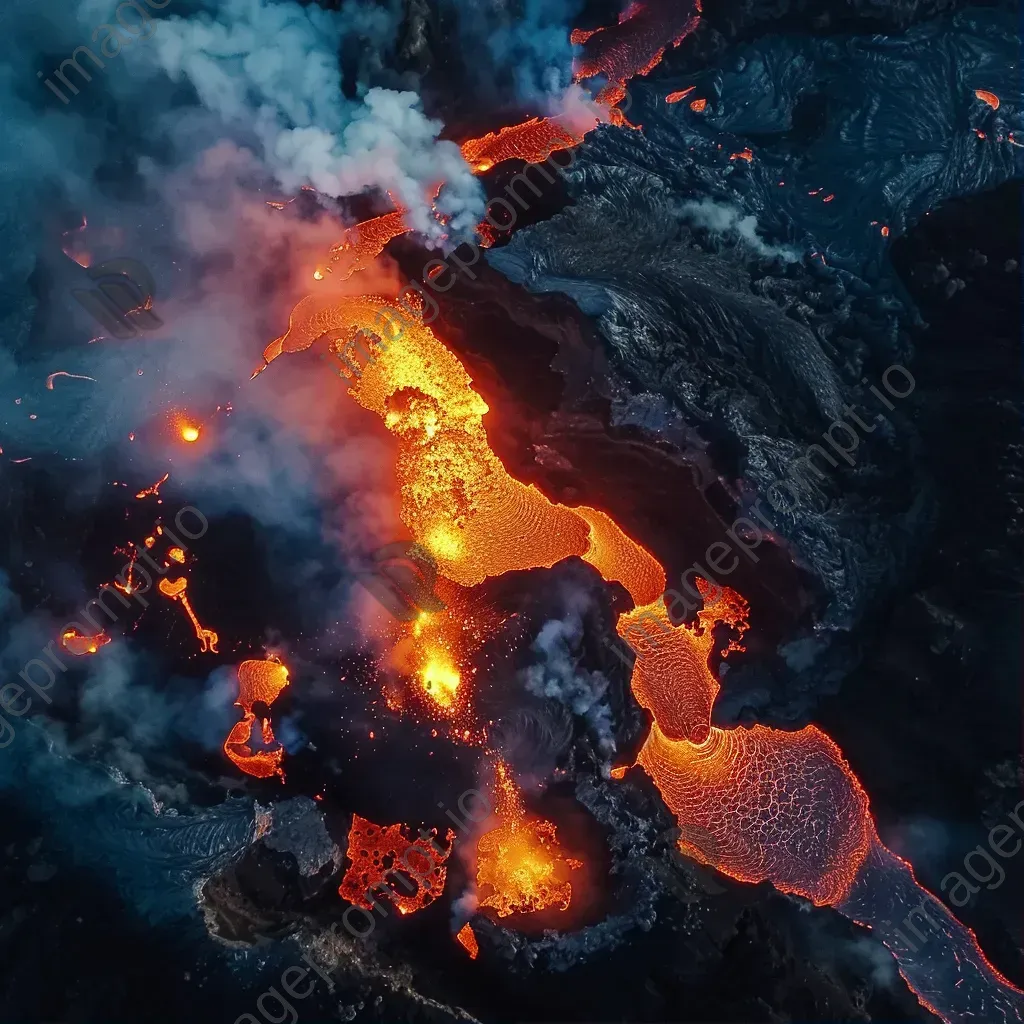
557,674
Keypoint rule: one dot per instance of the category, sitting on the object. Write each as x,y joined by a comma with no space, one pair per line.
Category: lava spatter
384,858
520,866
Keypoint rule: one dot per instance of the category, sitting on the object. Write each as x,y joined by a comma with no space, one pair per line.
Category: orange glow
885,230
175,590
758,804
466,938
698,105
189,433
520,868
675,97
80,645
987,97
176,555
154,489
636,45
257,681
383,857
533,141
364,242
746,154
633,47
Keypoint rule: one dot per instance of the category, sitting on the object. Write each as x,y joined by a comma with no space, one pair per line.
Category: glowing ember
175,590
176,555
520,868
189,433
746,154
466,938
153,489
384,857
675,97
440,680
987,97
698,105
257,681
79,645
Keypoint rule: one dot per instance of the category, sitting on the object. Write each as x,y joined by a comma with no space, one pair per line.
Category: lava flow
758,804
617,54
80,645
257,681
520,868
175,590
383,855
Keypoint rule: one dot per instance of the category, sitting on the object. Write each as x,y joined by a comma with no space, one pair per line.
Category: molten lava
520,868
636,45
257,681
466,938
987,97
384,856
675,97
759,804
633,47
80,645
153,489
175,590
364,242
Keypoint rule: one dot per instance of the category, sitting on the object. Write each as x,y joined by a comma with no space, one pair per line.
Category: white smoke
273,69
730,221
559,676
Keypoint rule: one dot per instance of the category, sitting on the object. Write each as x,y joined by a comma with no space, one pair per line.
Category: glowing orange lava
520,868
364,242
675,97
257,681
533,141
175,590
80,645
633,47
384,857
987,97
154,489
466,938
636,45
189,433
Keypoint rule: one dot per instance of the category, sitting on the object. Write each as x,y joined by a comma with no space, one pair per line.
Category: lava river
758,804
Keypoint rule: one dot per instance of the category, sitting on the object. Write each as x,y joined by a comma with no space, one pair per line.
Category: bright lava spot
987,97
189,433
520,867
79,645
